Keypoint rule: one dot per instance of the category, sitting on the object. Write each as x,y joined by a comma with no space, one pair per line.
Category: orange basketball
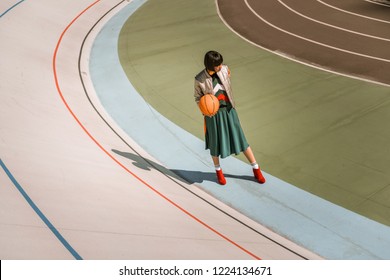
209,105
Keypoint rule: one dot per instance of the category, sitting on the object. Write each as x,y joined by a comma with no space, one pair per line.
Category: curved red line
111,156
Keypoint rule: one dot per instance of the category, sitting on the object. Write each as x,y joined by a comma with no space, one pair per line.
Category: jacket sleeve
198,92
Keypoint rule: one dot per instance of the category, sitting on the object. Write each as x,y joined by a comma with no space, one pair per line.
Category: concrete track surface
65,192
85,174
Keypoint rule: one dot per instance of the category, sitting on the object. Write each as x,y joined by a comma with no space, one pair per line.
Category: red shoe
221,178
258,175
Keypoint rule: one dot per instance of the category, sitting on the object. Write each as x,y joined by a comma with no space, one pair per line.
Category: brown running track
348,37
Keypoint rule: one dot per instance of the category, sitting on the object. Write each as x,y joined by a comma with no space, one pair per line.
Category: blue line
9,9
40,214
322,226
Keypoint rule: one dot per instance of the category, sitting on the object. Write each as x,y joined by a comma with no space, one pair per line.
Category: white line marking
378,3
313,41
355,14
293,58
333,26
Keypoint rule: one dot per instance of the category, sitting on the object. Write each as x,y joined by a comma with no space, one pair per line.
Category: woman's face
217,68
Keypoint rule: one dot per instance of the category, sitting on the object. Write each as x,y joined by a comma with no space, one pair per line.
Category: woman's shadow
186,176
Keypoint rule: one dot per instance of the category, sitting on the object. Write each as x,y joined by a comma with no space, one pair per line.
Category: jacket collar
208,72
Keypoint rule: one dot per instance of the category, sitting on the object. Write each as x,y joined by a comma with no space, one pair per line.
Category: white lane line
313,41
379,3
295,59
331,25
355,14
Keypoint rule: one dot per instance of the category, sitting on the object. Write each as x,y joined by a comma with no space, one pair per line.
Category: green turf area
321,132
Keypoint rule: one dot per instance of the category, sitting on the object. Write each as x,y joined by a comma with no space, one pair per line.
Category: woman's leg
215,161
249,155
256,169
218,170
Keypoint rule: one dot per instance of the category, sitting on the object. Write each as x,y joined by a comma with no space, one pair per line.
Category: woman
223,132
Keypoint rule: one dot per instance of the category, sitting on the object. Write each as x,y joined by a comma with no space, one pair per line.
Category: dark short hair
212,59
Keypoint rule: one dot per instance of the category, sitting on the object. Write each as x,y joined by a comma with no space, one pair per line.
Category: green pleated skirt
223,133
